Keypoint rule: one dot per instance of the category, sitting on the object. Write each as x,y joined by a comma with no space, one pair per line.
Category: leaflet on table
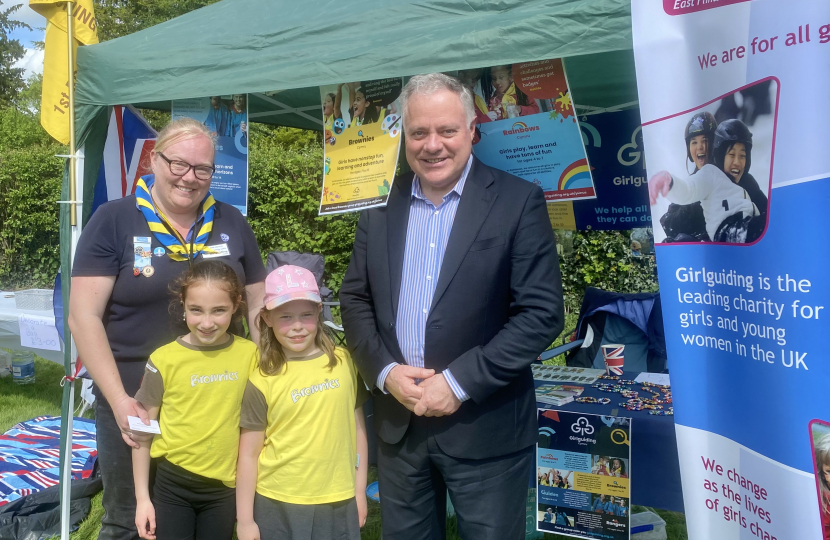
227,117
734,106
361,143
583,471
577,375
527,127
661,379
548,394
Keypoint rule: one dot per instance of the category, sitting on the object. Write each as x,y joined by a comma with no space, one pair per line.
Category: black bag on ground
38,516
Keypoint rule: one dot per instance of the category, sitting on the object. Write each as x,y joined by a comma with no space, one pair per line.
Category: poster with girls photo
361,136
527,126
583,469
710,168
820,439
227,118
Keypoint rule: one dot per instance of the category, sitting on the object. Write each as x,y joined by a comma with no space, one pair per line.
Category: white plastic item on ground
647,526
5,363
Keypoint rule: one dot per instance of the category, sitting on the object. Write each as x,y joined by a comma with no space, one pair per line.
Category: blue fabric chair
634,320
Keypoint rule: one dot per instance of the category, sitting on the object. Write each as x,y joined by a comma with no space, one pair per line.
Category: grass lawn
18,403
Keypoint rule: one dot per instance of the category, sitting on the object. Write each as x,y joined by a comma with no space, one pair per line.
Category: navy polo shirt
138,318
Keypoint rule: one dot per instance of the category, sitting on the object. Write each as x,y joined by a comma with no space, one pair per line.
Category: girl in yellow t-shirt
196,383
302,452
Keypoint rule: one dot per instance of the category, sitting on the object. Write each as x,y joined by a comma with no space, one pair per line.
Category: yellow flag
54,106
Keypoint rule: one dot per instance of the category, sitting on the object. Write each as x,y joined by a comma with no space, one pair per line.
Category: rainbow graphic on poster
576,175
536,135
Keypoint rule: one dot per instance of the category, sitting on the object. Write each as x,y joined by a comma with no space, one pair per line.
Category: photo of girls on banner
527,127
361,140
227,118
713,169
583,468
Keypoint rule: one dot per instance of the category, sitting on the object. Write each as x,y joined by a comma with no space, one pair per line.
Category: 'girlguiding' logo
519,127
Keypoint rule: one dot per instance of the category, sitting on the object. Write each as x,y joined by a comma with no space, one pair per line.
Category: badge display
148,271
142,248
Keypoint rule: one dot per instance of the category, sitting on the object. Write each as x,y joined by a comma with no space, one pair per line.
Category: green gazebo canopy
280,52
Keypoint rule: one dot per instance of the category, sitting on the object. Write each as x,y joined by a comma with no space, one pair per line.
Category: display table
655,469
10,330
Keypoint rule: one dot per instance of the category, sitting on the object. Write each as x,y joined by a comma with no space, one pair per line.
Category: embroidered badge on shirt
158,252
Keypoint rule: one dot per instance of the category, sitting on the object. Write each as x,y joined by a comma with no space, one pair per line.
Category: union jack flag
29,455
126,155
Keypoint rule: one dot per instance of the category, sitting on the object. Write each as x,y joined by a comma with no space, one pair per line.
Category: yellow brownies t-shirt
199,390
307,414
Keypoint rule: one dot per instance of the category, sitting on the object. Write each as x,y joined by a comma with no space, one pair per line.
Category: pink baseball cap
288,283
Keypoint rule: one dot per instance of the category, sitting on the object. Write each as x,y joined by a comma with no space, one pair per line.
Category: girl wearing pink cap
302,466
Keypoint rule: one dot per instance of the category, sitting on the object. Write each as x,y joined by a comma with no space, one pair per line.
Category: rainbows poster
527,126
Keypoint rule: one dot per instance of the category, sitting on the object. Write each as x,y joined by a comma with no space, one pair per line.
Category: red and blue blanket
30,455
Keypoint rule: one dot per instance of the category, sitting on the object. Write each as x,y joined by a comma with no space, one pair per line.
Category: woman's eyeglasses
181,168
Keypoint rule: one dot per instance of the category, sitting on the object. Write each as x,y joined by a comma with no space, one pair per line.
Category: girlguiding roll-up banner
735,107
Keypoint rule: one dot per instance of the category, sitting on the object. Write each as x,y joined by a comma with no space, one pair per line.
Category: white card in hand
137,425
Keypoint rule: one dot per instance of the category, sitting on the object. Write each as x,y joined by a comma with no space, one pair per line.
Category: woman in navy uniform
119,309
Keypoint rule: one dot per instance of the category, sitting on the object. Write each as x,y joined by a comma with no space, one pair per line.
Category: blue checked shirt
427,234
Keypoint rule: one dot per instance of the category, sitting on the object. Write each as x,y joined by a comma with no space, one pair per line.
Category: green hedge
30,178
285,183
603,259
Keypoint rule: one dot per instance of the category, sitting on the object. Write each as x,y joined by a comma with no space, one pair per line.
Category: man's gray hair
423,85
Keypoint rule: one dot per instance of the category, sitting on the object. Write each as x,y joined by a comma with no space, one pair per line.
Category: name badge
219,250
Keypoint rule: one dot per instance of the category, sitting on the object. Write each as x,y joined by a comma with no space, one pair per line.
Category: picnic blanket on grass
30,456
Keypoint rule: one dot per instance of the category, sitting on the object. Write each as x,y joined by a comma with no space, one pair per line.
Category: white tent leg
67,414
66,473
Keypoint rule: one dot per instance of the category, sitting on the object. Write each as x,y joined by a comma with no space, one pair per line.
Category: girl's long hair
823,458
272,359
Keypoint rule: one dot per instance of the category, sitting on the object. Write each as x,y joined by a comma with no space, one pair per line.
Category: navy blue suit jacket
497,306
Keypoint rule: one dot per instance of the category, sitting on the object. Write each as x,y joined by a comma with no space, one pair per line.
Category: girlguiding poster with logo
527,126
227,118
583,470
734,108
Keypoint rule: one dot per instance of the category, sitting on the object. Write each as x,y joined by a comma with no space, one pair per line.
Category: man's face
239,101
439,140
215,101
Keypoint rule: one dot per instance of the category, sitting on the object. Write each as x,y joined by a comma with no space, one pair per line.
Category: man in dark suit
452,291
